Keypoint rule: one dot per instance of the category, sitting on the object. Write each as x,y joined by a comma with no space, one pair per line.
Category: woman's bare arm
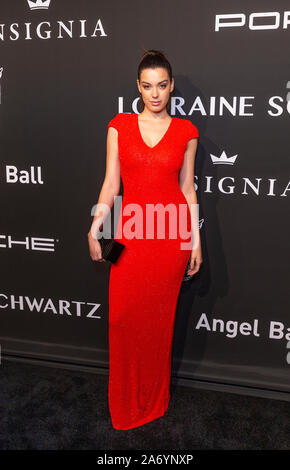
186,183
110,188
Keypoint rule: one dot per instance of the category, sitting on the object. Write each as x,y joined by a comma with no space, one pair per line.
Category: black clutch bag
111,249
186,276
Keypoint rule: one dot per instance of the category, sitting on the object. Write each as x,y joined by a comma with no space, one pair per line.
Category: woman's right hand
95,248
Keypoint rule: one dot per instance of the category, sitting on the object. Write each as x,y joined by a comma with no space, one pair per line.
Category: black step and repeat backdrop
66,68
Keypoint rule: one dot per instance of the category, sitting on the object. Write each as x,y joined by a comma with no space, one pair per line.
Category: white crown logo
223,159
38,4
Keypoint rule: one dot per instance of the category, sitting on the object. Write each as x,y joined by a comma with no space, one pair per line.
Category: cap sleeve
115,122
192,131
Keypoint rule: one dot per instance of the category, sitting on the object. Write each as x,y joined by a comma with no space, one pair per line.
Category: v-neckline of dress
162,138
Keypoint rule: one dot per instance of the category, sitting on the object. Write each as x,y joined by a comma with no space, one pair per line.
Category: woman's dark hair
152,59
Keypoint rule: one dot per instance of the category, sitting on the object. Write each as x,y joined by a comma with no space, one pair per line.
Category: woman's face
155,88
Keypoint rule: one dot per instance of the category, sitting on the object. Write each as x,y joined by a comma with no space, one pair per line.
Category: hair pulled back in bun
152,59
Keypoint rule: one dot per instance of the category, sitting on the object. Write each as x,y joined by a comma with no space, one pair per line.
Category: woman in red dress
154,154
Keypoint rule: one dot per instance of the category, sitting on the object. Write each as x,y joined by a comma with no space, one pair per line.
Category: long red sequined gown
146,280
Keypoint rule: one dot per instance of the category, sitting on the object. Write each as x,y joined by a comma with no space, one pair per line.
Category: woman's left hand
195,261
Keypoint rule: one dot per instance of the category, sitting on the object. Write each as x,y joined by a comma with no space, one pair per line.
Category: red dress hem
142,421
